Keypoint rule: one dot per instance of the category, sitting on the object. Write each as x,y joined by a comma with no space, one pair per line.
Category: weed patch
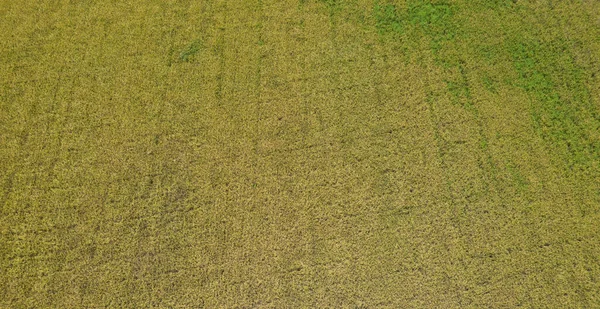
188,53
388,19
559,120
428,15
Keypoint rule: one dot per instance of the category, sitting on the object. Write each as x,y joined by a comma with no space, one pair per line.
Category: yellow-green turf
300,154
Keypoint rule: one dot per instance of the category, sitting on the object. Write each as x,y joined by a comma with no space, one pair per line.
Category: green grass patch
489,83
190,51
428,14
407,26
435,20
388,19
431,18
518,179
459,87
558,119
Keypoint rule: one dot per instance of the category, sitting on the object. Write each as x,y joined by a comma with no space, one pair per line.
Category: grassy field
300,154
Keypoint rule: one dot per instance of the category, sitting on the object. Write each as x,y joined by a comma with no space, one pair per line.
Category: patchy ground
300,154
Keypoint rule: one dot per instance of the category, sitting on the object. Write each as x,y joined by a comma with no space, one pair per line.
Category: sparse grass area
300,154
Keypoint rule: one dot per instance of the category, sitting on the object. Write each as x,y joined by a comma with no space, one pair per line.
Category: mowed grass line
262,154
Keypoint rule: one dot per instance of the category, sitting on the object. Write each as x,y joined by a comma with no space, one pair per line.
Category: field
300,154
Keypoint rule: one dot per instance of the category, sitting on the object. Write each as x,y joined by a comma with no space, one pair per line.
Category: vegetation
300,154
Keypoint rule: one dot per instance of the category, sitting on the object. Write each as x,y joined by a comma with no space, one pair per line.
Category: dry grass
285,154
